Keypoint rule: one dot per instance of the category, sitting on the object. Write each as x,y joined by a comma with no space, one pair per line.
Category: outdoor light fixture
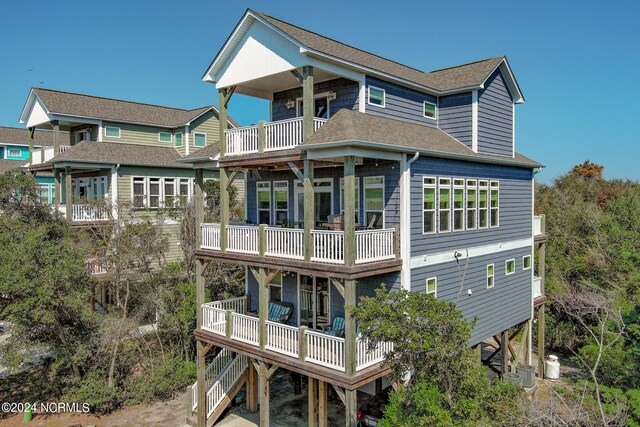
290,104
331,96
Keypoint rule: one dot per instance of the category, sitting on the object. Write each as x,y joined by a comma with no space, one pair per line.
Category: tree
588,170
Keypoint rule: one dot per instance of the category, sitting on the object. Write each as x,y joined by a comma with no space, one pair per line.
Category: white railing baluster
374,245
211,236
365,358
282,338
245,328
285,243
325,350
242,239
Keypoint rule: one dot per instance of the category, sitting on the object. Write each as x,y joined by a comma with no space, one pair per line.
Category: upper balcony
539,228
44,154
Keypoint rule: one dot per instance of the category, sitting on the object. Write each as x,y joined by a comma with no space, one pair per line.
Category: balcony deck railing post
302,343
262,239
262,136
228,319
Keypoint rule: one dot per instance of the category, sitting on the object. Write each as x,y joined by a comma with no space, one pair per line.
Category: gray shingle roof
461,76
20,136
7,165
119,153
348,126
80,105
210,151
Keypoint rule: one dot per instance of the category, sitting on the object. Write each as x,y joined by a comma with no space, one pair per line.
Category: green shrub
160,381
94,390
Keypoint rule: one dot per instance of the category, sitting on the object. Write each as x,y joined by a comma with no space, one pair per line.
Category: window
275,288
458,204
43,193
472,204
432,286
374,201
321,107
139,194
444,204
490,282
483,220
510,266
526,262
428,205
14,152
199,139
281,200
164,137
376,96
154,192
169,192
264,202
112,132
357,198
495,204
179,139
430,110
183,190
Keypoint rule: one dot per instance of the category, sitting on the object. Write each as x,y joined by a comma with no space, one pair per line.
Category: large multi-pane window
139,193
472,204
281,200
495,204
483,204
458,204
374,201
169,192
444,204
356,195
154,192
429,205
43,193
183,190
264,202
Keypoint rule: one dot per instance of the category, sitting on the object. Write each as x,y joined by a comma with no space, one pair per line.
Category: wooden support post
200,290
264,401
351,408
252,389
262,136
312,402
224,95
521,348
224,209
68,189
56,189
541,350
504,347
309,209
56,138
263,306
323,408
349,328
478,350
308,101
202,392
228,323
199,206
529,342
262,239
378,384
349,219
32,131
302,343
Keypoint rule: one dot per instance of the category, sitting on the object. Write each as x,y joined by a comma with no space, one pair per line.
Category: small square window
112,132
430,110
490,271
510,266
376,96
199,139
164,137
526,262
432,286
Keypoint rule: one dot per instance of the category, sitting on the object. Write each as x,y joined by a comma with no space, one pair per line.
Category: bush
160,381
94,390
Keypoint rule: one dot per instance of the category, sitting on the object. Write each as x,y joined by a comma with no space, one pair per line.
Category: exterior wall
174,251
401,103
515,205
495,309
346,97
72,137
137,134
289,294
49,182
207,124
182,149
455,116
126,174
495,117
24,152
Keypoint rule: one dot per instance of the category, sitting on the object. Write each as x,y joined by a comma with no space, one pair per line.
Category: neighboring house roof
7,165
465,76
20,136
95,107
208,153
115,153
348,127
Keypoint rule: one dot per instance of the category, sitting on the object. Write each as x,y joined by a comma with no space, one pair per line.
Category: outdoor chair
279,312
337,327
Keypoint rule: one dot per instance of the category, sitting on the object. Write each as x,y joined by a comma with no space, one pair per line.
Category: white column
474,121
405,223
186,140
114,190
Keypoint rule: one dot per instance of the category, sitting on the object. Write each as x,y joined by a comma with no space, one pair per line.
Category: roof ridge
467,63
113,99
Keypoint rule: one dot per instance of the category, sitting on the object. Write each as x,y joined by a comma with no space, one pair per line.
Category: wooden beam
521,348
309,209
351,408
264,394
56,188
296,171
349,218
32,145
200,291
337,285
263,308
56,138
323,408
308,101
312,402
224,208
271,371
202,392
233,176
207,348
504,346
541,349
252,388
340,393
68,190
272,275
298,76
350,332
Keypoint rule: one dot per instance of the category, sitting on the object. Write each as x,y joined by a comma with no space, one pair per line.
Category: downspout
405,220
114,190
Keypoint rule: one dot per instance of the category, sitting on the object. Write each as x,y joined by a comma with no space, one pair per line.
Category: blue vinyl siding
24,152
495,117
495,309
455,116
346,97
515,205
401,103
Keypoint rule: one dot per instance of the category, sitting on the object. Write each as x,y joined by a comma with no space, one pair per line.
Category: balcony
537,287
44,154
538,225
288,243
228,319
267,136
96,266
86,213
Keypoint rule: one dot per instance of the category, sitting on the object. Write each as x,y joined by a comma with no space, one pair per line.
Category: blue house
14,153
367,172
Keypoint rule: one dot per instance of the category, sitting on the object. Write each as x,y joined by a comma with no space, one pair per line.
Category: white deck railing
285,243
242,239
238,304
245,328
96,265
278,135
282,338
211,236
374,245
213,319
366,358
49,153
537,287
89,213
328,246
211,373
325,350
226,380
537,225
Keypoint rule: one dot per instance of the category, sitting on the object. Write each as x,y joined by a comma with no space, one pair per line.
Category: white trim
405,223
439,209
453,201
315,96
186,140
468,253
426,286
493,276
194,139
384,96
100,130
170,137
513,130
106,129
474,121
506,267
258,210
362,94
435,115
275,209
523,264
488,208
365,219
491,188
434,186
114,188
466,203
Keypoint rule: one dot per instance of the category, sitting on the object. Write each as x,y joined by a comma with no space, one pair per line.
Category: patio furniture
334,222
337,327
371,225
279,312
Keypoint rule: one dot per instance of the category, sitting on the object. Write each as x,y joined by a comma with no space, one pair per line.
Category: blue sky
577,62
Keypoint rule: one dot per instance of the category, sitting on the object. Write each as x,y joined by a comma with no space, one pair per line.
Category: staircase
224,377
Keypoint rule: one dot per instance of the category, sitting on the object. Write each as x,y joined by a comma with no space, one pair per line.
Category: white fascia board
28,105
510,80
474,121
352,151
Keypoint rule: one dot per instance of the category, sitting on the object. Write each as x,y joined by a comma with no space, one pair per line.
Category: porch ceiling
265,87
